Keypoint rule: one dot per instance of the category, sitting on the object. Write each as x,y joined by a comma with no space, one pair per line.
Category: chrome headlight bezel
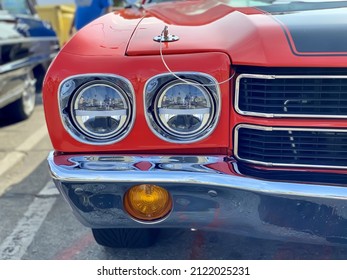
74,87
160,85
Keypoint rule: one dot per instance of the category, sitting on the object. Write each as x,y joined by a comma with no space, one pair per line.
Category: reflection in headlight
101,110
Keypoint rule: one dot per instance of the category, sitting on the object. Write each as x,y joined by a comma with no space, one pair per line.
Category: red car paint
210,41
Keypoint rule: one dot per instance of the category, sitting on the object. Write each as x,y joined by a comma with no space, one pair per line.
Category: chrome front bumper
207,192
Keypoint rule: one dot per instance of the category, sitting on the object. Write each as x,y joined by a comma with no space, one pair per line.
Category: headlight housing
182,111
97,109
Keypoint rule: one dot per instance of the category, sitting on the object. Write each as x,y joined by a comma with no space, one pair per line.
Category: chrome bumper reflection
207,193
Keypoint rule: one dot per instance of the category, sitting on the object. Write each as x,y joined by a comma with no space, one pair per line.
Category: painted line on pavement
16,244
12,158
33,140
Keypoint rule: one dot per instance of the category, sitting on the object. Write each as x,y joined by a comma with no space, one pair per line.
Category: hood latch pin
165,36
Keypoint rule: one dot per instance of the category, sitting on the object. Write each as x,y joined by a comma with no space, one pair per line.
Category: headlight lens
97,109
183,109
101,110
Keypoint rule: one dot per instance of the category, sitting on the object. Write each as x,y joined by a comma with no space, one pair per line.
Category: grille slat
305,154
313,106
292,95
302,142
257,99
300,148
283,146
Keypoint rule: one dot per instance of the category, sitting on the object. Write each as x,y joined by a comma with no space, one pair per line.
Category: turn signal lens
147,202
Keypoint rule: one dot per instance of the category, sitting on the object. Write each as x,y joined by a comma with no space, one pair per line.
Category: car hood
7,27
257,35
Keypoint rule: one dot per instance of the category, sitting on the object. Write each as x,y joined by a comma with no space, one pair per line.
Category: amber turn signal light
147,202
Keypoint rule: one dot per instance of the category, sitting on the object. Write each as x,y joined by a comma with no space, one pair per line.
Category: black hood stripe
319,32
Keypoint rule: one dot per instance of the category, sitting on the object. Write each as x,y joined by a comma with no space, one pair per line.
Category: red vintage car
214,115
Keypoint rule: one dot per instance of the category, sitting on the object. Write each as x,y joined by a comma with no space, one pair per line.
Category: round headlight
101,110
184,110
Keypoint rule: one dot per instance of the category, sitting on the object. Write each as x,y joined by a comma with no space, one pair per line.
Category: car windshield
16,6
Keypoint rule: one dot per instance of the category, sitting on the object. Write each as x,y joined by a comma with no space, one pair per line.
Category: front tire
23,108
126,237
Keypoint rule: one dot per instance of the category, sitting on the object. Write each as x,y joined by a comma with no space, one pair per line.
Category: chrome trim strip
148,102
271,77
178,170
26,62
27,40
70,127
269,128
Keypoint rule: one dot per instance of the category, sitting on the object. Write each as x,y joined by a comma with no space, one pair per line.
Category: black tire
23,108
126,237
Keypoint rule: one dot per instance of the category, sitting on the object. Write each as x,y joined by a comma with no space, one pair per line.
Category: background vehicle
27,46
219,115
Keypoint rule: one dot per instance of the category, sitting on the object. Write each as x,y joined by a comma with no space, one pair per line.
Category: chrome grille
289,146
291,95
